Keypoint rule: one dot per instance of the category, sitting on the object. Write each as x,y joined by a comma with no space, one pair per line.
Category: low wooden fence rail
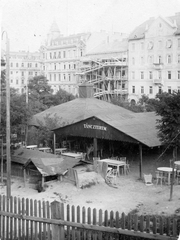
32,219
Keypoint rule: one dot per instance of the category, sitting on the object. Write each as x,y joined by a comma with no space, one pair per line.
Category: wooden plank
154,225
161,225
123,220
31,222
20,227
117,221
89,235
141,223
94,223
4,219
147,229
11,219
135,222
15,219
44,216
1,216
73,220
84,221
35,223
111,222
68,219
48,225
175,227
22,209
129,221
100,224
27,221
78,235
7,218
40,225
106,222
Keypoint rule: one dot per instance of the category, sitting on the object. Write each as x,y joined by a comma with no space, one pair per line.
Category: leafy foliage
168,107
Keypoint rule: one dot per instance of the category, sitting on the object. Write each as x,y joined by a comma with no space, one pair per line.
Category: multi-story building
60,58
23,66
63,57
154,57
105,67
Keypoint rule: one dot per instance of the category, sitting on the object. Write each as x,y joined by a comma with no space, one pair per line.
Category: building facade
23,66
154,57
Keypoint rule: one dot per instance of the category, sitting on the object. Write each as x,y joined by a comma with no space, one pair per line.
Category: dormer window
169,44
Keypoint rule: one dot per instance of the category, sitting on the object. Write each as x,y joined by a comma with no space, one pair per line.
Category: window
150,45
64,66
142,60
169,59
133,75
55,77
169,43
16,64
69,66
160,44
159,74
59,77
11,64
159,59
142,46
55,55
50,55
35,73
150,59
178,74
133,46
133,61
169,89
150,90
59,55
178,42
142,89
17,81
160,90
178,58
22,65
22,74
178,89
22,81
74,66
142,75
64,54
64,76
36,65
133,89
69,76
169,74
150,75
11,80
55,66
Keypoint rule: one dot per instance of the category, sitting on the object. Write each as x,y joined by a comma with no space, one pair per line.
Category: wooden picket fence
32,219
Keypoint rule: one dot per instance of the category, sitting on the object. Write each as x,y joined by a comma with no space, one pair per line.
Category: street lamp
8,157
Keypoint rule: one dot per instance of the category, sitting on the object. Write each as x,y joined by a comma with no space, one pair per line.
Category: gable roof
140,126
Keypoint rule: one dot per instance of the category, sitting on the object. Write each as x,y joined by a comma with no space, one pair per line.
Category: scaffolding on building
109,76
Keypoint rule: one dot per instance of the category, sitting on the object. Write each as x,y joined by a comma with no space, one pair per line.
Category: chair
148,179
111,176
160,178
123,159
178,176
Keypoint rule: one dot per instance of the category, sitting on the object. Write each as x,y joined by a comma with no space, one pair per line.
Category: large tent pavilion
96,119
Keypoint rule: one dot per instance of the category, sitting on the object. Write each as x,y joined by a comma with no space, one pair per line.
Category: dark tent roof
140,126
46,163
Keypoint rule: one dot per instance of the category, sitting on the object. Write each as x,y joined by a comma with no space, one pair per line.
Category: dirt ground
131,193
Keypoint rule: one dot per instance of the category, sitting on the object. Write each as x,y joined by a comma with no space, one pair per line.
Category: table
60,150
73,155
45,149
177,163
31,147
114,163
167,170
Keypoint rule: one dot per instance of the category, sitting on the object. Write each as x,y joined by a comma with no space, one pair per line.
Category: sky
27,22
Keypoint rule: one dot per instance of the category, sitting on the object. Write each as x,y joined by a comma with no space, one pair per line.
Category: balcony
158,66
157,81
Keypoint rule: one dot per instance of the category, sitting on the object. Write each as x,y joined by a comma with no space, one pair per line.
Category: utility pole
8,156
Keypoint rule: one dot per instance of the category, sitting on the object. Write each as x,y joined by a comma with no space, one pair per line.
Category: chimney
86,90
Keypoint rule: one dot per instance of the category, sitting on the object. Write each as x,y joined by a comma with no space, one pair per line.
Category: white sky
28,21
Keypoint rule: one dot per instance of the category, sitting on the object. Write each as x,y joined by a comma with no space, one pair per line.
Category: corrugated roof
140,126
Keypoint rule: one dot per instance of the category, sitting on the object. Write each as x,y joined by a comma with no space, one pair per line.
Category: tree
168,106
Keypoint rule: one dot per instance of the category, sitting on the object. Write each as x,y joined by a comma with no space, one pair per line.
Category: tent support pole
140,163
95,147
54,143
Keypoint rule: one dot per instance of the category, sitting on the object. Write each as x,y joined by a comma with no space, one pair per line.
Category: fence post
56,213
